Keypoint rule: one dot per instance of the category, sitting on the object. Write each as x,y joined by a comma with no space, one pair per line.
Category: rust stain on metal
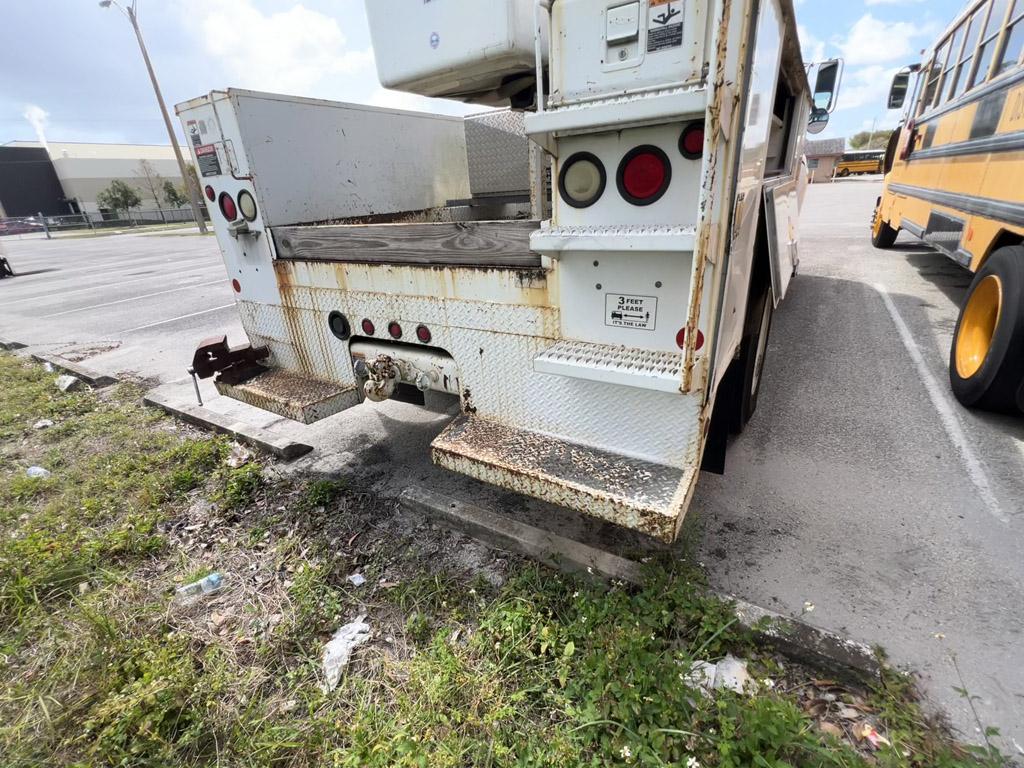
297,397
628,492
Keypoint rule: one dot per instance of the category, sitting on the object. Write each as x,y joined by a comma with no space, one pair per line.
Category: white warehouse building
84,169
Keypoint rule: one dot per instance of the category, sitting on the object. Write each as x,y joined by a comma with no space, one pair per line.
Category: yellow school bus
858,162
955,179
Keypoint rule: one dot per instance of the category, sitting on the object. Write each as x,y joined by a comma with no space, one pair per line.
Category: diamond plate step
612,364
292,395
633,493
646,239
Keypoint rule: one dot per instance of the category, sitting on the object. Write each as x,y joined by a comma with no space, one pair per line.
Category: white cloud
811,47
289,51
384,97
866,87
872,41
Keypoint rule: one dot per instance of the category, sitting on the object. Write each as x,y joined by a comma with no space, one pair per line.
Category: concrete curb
10,346
89,376
795,639
246,433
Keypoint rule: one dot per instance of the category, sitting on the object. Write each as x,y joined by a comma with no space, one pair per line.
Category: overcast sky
75,68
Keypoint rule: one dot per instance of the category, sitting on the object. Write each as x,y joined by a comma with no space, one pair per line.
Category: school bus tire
986,361
884,236
843,173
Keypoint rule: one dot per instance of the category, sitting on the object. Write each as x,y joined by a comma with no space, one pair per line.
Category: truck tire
885,237
986,362
753,352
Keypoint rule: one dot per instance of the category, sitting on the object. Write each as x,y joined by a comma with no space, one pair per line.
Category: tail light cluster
423,334
229,209
643,176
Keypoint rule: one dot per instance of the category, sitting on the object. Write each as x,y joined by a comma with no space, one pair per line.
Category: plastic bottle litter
204,586
38,472
357,579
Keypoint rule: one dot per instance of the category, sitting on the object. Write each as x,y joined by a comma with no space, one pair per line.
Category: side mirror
818,121
826,79
901,87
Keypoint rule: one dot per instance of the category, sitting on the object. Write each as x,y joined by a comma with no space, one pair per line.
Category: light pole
193,193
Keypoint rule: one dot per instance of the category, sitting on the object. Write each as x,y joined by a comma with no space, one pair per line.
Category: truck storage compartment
476,51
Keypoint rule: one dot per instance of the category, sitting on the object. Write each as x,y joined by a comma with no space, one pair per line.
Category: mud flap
727,403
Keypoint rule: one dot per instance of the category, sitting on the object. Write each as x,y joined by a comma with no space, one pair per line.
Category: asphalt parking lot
860,488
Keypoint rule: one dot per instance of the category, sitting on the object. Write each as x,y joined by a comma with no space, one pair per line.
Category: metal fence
48,225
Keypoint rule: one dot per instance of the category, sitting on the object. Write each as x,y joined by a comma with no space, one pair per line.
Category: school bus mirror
827,77
899,89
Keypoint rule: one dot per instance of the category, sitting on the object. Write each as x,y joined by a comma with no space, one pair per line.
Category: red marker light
423,334
395,330
681,339
227,207
644,175
691,143
237,286
368,327
210,194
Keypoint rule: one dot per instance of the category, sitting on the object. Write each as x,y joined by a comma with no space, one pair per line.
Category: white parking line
175,319
947,411
133,298
105,286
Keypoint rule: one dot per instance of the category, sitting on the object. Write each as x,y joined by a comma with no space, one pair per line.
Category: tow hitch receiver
235,365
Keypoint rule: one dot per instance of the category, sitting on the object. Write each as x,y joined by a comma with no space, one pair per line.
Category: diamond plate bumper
297,397
633,493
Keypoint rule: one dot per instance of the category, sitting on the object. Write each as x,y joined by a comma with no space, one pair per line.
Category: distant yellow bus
955,178
856,163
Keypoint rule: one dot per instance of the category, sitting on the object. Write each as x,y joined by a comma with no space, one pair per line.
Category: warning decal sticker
622,310
664,25
193,133
209,163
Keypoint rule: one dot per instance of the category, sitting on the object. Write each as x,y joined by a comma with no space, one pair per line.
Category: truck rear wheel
986,362
753,352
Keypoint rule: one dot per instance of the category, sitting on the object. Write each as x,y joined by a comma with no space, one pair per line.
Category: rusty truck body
604,317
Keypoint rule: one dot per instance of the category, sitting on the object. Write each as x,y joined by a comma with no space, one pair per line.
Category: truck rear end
584,331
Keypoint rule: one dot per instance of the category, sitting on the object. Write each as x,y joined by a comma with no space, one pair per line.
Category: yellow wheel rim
978,326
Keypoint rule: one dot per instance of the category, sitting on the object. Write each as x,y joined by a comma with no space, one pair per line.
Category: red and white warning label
209,163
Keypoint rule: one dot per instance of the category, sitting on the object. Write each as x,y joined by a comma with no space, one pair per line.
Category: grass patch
104,667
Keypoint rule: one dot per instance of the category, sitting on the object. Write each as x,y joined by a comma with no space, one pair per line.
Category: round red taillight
681,339
691,143
237,286
395,330
227,207
423,334
210,194
644,175
368,327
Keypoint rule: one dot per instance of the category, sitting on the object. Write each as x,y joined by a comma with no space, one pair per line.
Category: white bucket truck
599,298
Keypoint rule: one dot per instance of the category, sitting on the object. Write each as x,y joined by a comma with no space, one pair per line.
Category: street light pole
193,193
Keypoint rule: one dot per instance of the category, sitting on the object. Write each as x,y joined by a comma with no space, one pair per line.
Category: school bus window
932,83
990,41
963,68
1014,39
951,62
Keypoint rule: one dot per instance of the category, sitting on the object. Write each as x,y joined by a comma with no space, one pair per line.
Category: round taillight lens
395,330
227,207
644,175
681,339
247,205
582,180
237,286
423,334
691,143
210,194
368,327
